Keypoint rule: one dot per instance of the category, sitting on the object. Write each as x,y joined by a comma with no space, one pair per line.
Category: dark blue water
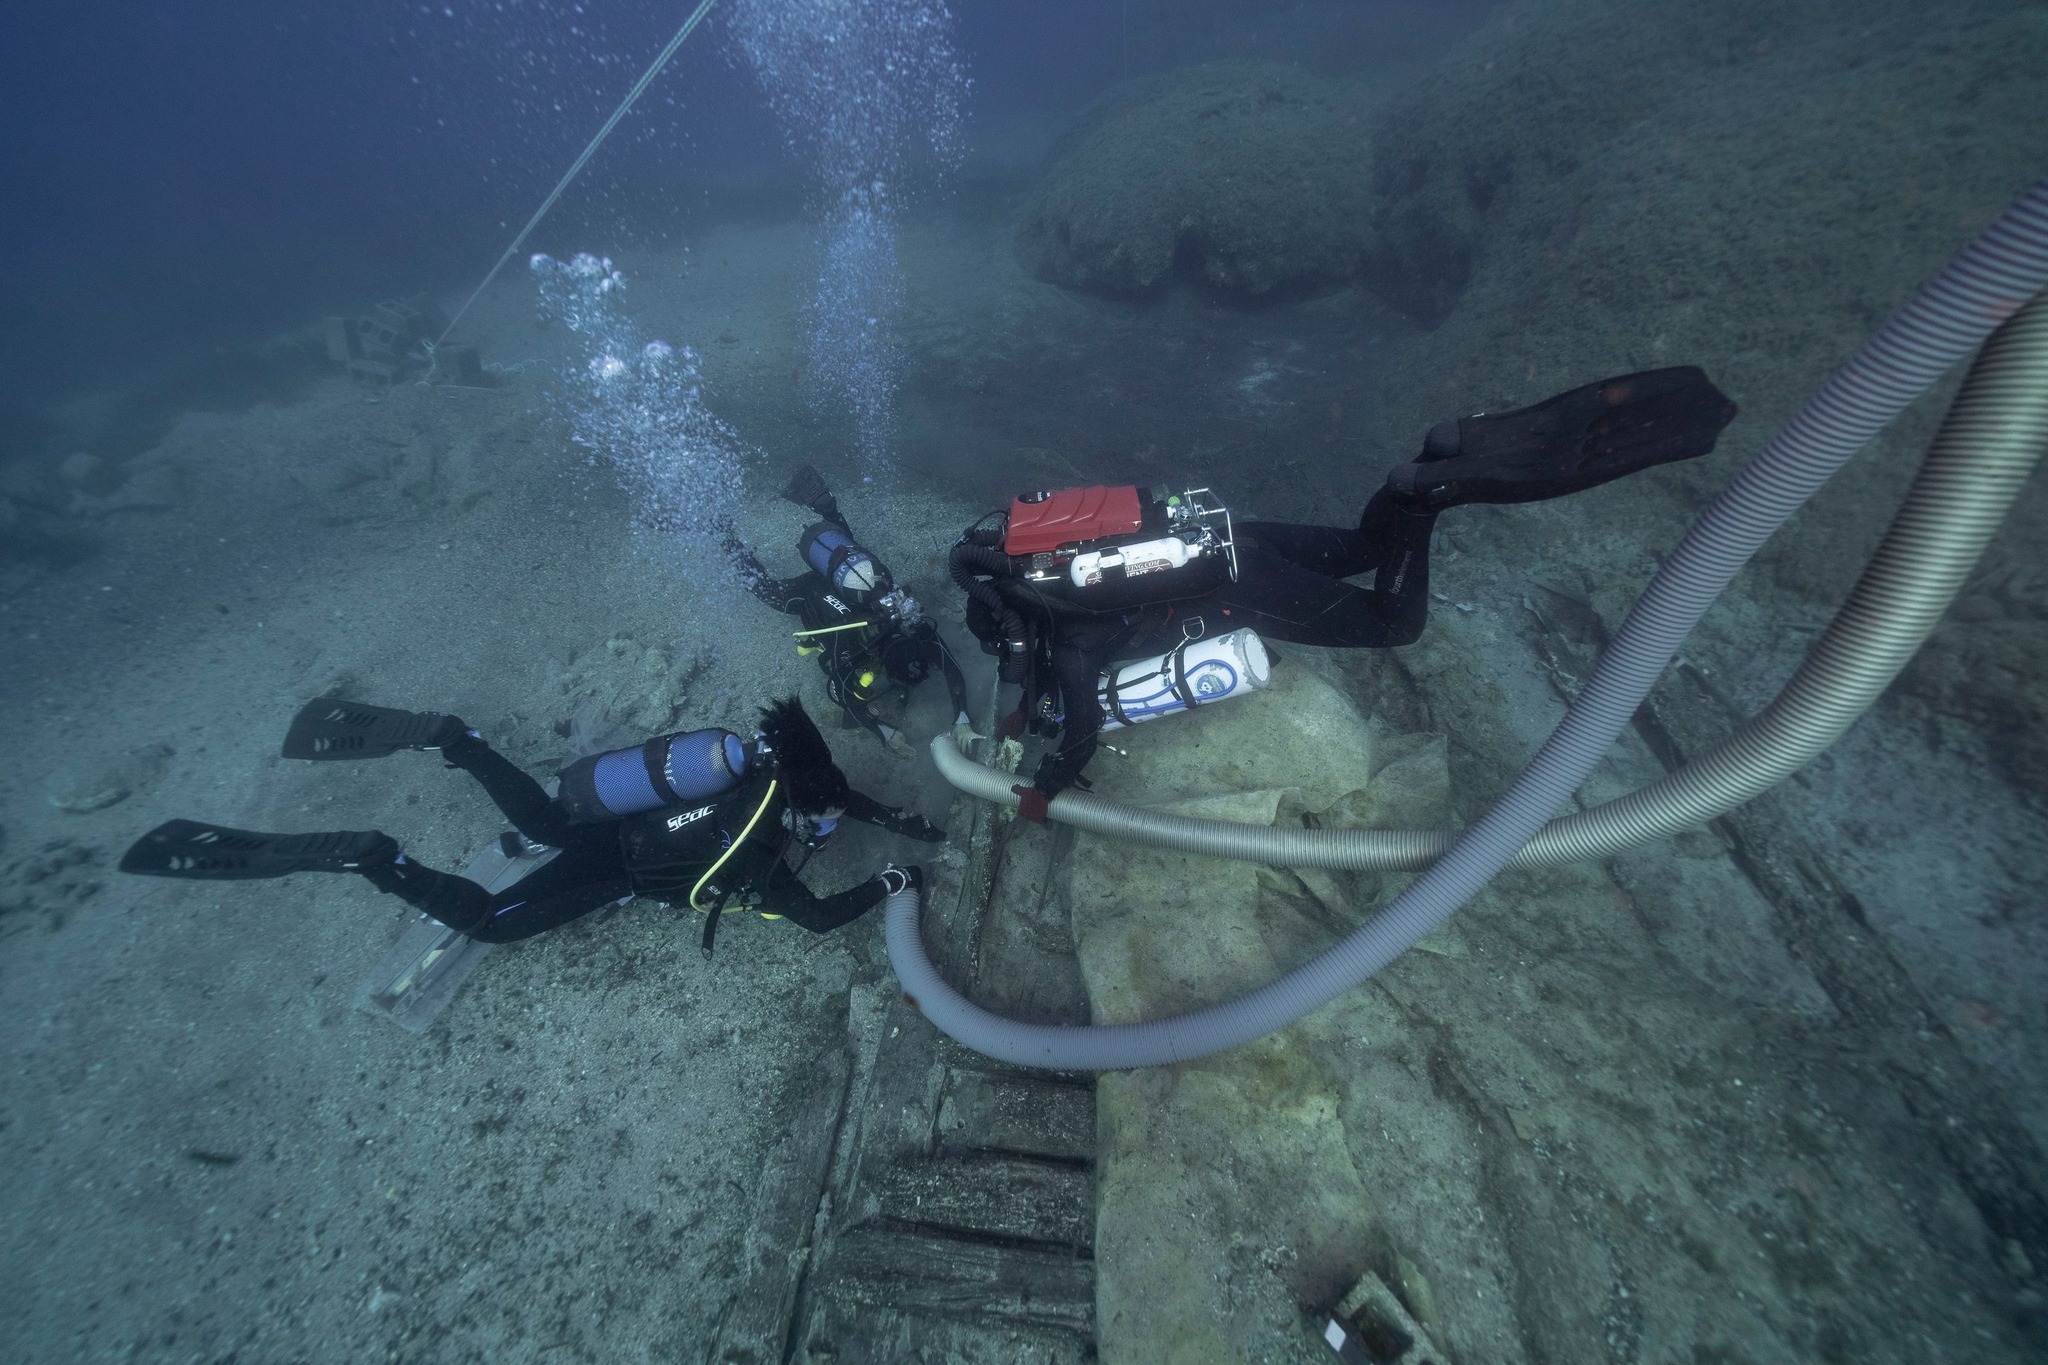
174,180
1626,1110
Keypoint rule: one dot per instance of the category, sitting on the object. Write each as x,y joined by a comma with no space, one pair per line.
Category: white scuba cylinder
1195,673
1147,556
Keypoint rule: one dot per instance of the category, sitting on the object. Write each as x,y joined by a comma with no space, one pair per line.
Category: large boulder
1596,187
1250,178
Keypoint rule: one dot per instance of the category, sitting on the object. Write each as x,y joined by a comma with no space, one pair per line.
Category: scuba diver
1064,583
870,637
702,819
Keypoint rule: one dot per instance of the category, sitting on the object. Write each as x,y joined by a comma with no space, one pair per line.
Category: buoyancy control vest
851,625
710,856
667,849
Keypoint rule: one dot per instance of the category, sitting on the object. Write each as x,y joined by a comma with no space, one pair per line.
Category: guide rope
639,88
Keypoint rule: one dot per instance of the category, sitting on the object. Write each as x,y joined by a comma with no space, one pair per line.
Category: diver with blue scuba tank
870,637
1063,583
704,819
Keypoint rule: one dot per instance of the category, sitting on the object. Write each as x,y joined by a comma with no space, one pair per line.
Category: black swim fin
331,728
191,851
807,488
1575,441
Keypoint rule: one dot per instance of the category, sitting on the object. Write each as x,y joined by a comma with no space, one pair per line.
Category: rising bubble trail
869,93
636,405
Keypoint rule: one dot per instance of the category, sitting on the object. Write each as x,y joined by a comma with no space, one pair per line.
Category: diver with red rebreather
702,819
1063,583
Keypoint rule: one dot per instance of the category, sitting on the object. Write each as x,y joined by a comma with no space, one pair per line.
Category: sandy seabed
214,1155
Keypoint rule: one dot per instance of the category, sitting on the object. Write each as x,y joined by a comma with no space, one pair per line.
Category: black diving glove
914,826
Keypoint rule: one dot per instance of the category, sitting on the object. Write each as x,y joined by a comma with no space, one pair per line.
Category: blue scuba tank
838,559
695,765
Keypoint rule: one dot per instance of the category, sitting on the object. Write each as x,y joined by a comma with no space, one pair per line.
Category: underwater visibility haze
928,680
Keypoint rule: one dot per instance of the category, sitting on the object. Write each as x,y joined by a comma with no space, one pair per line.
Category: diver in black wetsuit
868,635
702,820
1289,579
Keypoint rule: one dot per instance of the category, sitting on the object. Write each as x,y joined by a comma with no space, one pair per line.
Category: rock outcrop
1249,178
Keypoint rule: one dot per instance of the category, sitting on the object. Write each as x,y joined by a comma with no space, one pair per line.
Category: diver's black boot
330,728
1566,444
191,851
455,901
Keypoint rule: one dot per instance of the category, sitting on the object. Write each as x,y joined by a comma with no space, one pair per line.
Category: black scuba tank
695,765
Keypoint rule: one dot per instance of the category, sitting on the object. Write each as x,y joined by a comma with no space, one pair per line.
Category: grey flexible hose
1987,447
1993,277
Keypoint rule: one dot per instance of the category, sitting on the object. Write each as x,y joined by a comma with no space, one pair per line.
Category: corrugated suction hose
1989,443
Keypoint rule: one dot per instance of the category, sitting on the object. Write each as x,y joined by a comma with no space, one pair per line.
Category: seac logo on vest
688,817
838,605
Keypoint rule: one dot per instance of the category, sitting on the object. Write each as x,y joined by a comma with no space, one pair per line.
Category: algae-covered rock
1247,177
1228,1194
1227,1189
1987,675
1301,734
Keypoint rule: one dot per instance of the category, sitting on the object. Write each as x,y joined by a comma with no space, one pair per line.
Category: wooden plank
1013,1198
756,1326
962,1206
918,1274
903,1091
1961,1107
1024,965
955,944
984,1112
843,1334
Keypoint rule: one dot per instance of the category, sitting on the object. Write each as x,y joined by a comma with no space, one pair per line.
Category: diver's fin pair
191,851
1575,441
331,728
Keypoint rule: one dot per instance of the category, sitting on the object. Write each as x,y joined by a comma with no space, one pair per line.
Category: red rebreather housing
1069,516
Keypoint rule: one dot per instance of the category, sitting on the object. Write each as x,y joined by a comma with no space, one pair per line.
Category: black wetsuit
660,853
861,648
1290,580
1290,586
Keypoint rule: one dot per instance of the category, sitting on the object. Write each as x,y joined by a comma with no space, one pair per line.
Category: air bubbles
637,407
869,93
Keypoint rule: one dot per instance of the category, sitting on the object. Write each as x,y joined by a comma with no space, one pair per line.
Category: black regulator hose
964,562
